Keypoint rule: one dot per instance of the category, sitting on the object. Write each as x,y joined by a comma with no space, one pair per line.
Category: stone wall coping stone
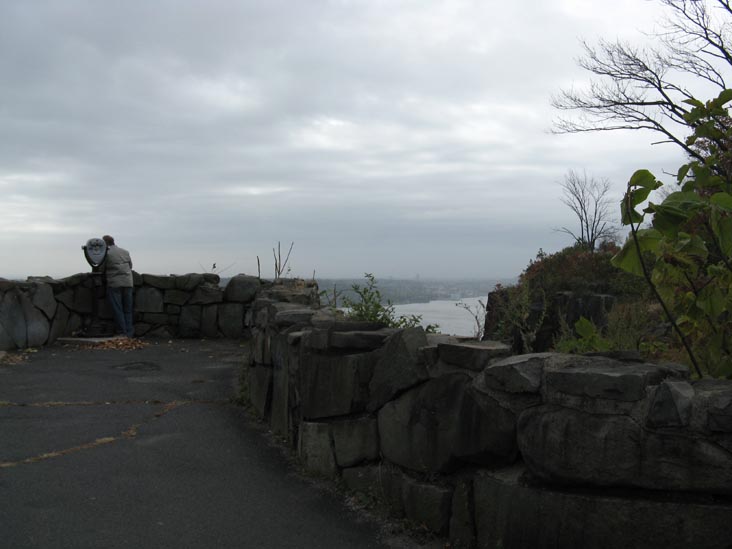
265,310
36,279
325,314
439,369
348,325
206,294
211,278
604,378
434,339
623,356
294,316
55,284
360,340
74,280
294,338
671,405
473,355
242,288
323,339
515,374
302,296
188,282
162,282
283,306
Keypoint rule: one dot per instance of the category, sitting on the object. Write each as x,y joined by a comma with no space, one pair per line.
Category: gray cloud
391,137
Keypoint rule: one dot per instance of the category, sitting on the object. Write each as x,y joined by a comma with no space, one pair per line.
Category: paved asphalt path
143,448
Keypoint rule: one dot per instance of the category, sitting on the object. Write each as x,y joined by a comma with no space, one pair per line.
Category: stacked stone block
493,450
38,311
42,309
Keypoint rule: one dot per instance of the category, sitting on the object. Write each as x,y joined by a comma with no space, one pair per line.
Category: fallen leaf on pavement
121,344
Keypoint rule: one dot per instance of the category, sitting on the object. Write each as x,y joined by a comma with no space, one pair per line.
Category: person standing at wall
117,268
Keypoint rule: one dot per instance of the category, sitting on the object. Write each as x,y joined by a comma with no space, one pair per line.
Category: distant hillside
400,291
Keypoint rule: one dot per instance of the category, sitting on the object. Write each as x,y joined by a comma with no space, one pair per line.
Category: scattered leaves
9,358
121,344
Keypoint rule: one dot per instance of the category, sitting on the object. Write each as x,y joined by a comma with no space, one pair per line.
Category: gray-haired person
118,271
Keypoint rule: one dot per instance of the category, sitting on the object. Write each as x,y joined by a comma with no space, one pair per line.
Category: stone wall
42,309
493,450
457,436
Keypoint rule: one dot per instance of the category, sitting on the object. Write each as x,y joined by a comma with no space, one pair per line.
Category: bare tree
648,88
587,198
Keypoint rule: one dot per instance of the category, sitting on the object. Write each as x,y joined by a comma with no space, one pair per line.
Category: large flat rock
666,444
316,448
355,441
516,374
440,424
472,355
242,288
605,378
334,385
399,367
12,319
563,445
427,504
510,512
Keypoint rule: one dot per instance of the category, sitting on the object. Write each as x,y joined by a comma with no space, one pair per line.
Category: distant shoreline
408,291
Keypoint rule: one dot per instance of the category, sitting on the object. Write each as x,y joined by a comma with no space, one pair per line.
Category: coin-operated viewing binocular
95,252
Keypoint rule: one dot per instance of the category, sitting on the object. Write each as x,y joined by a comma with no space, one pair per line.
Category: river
450,318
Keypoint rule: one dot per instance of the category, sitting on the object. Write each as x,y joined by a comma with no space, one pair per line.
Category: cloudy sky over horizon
397,137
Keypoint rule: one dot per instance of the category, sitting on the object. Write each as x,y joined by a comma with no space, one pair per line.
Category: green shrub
369,307
519,319
525,314
588,338
576,269
690,240
629,326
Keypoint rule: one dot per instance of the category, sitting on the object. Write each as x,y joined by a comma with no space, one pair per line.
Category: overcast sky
394,137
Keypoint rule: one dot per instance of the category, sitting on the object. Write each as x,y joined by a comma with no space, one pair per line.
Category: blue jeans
121,301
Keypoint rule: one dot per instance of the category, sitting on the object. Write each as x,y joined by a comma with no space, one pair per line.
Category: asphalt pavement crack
58,404
128,433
